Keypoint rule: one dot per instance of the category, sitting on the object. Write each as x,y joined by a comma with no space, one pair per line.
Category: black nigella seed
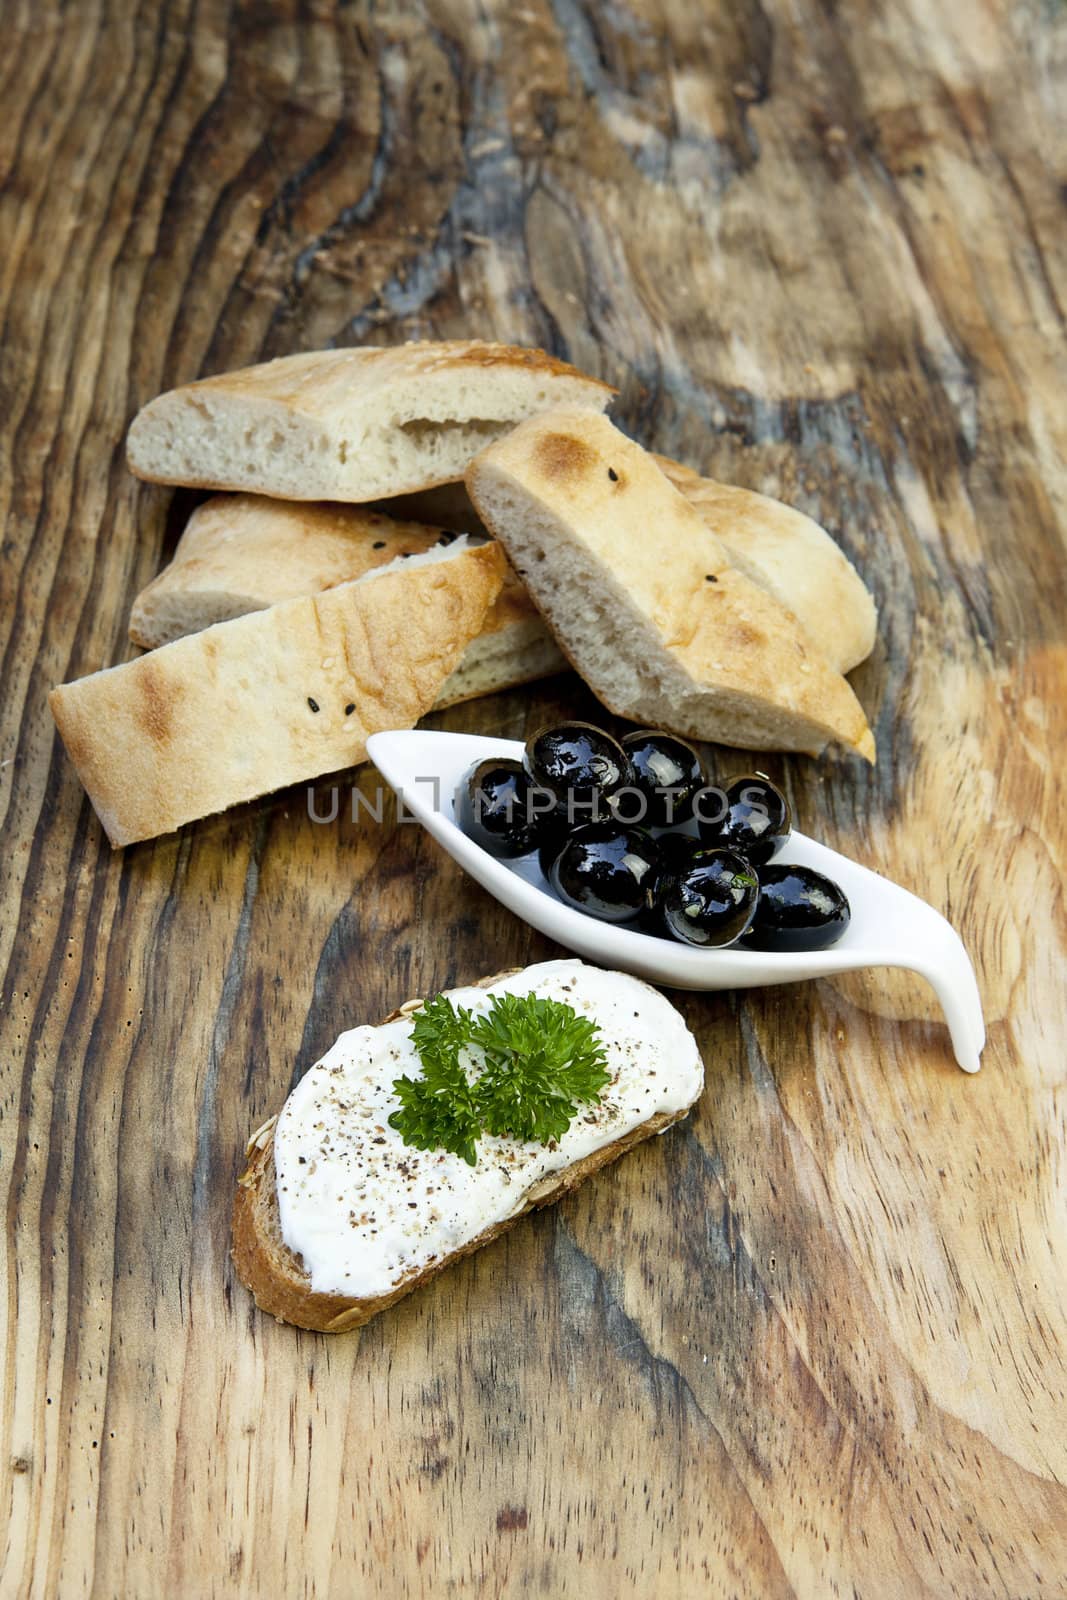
613,475
379,544
349,708
709,577
314,704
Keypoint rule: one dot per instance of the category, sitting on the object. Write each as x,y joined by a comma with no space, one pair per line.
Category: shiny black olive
607,871
581,765
756,819
713,901
797,909
650,920
555,832
499,808
667,773
676,852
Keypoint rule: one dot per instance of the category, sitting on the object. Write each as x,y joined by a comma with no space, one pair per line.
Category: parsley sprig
534,1060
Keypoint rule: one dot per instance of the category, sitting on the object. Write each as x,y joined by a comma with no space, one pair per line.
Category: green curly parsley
535,1061
437,1111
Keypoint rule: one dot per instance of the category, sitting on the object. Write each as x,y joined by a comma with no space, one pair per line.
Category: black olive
676,852
555,832
713,901
579,764
499,808
755,820
650,920
798,909
607,871
667,773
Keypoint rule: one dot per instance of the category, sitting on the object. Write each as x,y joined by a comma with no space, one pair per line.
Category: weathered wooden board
813,1342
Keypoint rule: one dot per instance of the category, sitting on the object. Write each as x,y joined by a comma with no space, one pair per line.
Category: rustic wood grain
813,1342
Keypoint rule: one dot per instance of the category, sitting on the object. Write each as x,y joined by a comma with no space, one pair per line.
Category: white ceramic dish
890,927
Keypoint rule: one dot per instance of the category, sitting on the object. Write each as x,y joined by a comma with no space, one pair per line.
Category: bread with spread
337,1216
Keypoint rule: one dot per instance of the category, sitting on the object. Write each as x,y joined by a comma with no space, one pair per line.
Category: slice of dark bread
276,1277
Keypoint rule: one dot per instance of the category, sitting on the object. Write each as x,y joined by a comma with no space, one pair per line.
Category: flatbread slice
276,697
780,549
792,558
244,552
353,425
643,599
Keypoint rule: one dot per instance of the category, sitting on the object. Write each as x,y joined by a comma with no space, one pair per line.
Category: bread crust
296,427
245,552
313,380
790,556
276,697
275,1276
502,657
741,667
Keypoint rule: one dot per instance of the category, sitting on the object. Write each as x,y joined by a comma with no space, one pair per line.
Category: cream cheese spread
364,1211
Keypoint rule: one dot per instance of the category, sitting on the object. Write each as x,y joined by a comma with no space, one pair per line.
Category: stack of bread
400,529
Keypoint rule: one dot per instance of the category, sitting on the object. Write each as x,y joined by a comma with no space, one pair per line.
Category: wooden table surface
813,1341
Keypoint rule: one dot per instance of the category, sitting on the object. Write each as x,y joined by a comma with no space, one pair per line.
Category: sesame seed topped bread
276,697
354,425
643,598
792,558
244,552
512,647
